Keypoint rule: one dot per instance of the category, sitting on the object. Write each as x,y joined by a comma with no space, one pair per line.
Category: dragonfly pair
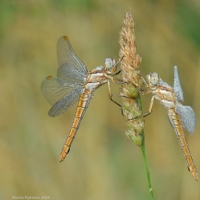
75,84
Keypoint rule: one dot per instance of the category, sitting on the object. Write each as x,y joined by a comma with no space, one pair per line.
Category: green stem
142,147
146,167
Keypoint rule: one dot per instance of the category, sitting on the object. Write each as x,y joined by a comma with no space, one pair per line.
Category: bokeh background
103,163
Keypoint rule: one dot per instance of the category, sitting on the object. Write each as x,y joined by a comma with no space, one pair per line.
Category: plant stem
131,102
146,167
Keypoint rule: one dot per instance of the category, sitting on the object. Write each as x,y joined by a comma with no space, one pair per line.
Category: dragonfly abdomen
177,125
80,111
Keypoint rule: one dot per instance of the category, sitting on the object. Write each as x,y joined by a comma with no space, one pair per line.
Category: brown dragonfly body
74,84
179,116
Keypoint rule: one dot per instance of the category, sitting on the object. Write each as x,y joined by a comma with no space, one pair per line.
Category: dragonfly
75,84
180,116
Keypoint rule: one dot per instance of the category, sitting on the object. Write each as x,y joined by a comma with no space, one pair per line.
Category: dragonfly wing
70,74
68,61
60,94
177,86
187,117
63,104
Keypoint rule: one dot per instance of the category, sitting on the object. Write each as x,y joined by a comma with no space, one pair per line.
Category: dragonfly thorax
99,68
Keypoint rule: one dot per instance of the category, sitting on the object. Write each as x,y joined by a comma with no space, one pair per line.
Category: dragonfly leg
141,90
111,95
134,118
150,107
118,72
146,90
117,63
116,80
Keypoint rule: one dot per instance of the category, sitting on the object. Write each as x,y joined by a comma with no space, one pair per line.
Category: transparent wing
70,74
187,117
177,86
65,103
60,95
70,66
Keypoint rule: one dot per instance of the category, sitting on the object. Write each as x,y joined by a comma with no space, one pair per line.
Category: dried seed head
130,65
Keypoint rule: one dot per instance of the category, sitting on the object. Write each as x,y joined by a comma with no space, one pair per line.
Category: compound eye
109,63
154,79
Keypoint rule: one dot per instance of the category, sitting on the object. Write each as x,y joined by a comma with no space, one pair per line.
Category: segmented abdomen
80,111
177,125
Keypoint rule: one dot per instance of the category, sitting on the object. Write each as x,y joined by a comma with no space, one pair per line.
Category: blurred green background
103,163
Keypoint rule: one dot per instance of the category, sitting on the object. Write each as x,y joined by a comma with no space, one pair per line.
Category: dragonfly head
153,79
110,65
